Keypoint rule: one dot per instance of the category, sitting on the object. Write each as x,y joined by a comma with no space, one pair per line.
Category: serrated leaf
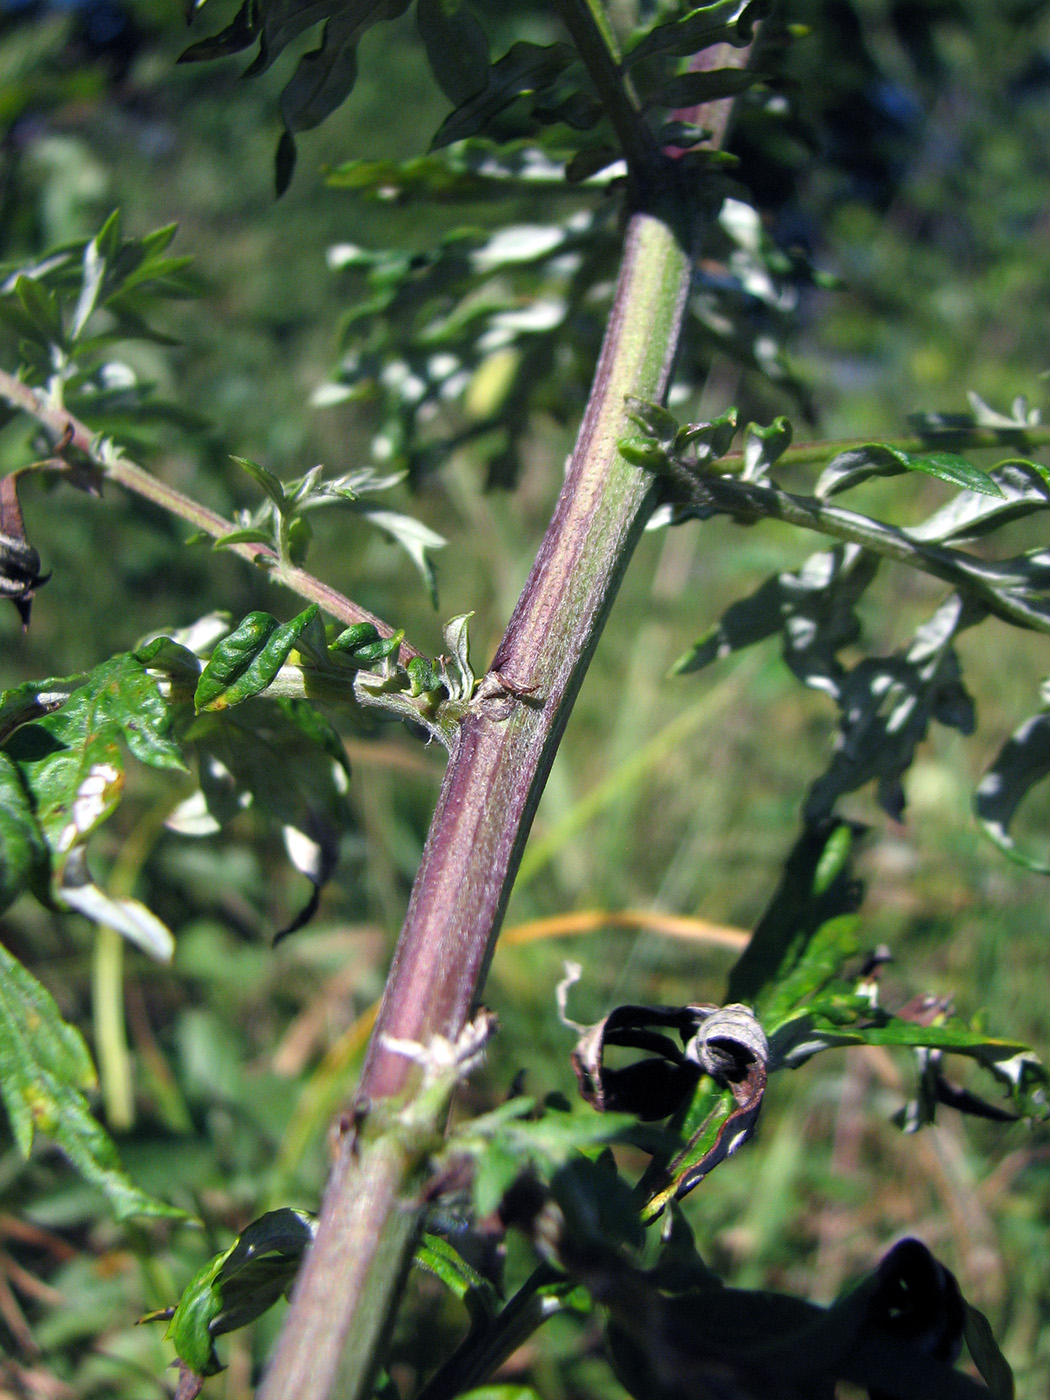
45,1069
70,768
456,48
23,851
523,68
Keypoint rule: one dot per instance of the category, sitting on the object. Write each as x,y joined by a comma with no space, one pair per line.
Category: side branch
64,428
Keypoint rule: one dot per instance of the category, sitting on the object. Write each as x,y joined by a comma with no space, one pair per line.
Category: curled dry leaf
725,1043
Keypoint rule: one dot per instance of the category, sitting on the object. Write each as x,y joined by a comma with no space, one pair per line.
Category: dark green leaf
284,163
726,21
1023,488
523,68
987,1356
694,89
456,47
237,36
247,660
1022,762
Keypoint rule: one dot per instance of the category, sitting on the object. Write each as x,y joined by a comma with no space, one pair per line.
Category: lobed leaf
524,68
724,22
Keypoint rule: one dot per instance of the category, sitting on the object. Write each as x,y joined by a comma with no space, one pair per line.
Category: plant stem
111,1045
499,762
592,35
119,469
497,768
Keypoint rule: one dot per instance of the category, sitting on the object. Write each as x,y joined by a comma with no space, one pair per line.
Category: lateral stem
63,427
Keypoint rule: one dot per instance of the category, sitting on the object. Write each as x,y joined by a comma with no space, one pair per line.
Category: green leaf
245,662
1023,488
71,763
437,1256
265,479
879,459
1021,763
41,306
456,47
501,1392
239,1285
238,35
45,1071
523,68
23,851
726,21
456,669
764,446
694,89
816,886
819,963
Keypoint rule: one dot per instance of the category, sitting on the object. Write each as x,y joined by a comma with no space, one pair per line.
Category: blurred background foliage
911,163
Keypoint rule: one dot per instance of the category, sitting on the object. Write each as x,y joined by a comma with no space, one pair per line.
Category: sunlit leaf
45,1071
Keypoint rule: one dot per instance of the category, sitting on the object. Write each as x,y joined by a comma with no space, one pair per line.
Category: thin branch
993,584
955,439
65,428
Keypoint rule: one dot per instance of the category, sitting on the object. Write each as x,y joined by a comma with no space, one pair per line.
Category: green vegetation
228,747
